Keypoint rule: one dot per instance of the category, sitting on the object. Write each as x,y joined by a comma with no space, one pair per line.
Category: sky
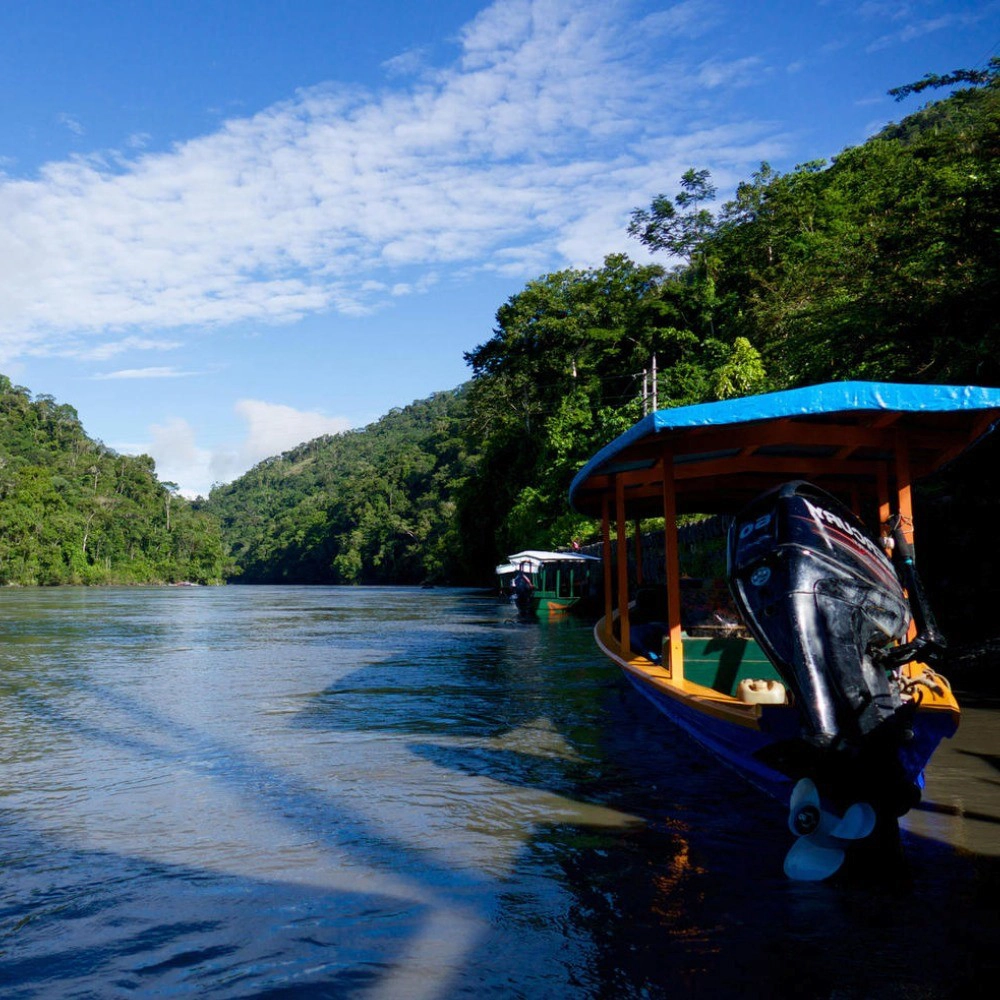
229,227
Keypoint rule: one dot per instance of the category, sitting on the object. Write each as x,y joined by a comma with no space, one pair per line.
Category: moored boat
815,669
550,584
505,573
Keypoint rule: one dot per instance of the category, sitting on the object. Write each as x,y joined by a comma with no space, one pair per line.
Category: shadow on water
692,903
989,758
691,897
472,805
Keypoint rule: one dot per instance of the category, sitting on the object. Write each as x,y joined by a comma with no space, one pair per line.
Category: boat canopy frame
865,442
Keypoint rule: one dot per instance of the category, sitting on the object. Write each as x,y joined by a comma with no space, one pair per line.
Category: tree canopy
881,264
376,505
74,511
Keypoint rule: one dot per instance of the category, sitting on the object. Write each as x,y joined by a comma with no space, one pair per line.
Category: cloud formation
161,371
909,25
529,150
271,429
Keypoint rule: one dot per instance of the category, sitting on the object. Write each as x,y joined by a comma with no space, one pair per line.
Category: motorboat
814,665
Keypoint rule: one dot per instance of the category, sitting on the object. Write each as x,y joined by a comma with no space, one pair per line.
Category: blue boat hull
735,745
741,746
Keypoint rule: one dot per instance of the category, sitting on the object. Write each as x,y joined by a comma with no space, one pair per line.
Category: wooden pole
884,508
638,553
904,496
671,555
882,486
903,488
622,552
606,562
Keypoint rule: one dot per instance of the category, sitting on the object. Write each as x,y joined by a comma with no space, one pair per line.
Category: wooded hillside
880,265
74,511
376,505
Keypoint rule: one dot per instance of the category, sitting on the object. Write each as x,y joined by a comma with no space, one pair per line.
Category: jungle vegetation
882,264
377,505
73,511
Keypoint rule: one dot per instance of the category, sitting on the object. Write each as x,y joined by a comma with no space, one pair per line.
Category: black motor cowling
821,598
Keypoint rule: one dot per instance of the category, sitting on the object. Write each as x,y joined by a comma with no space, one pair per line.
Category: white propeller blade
810,860
856,823
819,850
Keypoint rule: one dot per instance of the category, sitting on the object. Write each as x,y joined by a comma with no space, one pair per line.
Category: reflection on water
962,800
286,792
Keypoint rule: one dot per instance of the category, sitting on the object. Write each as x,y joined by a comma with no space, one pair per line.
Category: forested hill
881,265
74,511
376,505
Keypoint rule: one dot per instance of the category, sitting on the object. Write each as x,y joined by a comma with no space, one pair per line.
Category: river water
392,793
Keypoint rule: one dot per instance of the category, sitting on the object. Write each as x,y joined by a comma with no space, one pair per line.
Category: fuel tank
820,597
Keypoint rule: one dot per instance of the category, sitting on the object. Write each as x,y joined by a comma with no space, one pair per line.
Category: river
392,793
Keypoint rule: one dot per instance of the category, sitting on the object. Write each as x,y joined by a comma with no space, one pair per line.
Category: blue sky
229,226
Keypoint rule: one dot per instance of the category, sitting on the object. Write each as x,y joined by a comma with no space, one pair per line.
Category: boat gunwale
698,696
726,707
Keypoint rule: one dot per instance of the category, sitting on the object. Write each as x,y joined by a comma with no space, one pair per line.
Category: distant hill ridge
376,505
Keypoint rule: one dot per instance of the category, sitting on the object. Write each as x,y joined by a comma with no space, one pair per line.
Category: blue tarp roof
848,399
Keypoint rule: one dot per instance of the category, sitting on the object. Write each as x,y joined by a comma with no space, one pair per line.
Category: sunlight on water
961,803
382,793
202,747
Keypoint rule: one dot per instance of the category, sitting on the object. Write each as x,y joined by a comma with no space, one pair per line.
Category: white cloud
110,349
408,63
271,428
156,372
915,28
688,19
69,122
177,456
739,73
315,204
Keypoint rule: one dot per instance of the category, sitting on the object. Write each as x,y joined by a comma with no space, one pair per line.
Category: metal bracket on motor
929,645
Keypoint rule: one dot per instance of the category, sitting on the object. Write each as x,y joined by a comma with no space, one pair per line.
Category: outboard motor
822,600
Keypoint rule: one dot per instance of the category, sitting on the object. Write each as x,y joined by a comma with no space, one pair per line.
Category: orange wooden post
903,489
882,488
622,553
606,562
884,507
905,502
671,555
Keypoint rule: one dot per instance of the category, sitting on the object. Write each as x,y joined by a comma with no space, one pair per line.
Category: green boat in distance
550,584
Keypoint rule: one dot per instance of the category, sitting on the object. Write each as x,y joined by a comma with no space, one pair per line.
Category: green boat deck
718,652
721,662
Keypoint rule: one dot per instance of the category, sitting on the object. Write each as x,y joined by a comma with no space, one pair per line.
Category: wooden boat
818,679
560,581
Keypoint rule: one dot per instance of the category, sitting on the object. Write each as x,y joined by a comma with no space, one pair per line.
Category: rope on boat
911,687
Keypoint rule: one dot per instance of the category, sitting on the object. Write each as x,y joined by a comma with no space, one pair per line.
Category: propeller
822,836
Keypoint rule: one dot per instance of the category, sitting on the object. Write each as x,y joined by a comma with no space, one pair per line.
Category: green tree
73,511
